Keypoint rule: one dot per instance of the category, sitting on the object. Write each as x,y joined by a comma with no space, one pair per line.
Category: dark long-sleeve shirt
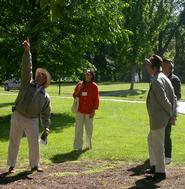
176,85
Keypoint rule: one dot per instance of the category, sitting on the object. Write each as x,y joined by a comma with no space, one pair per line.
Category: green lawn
117,90
120,129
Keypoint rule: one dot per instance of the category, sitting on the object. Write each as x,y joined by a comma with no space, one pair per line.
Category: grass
114,90
120,129
107,90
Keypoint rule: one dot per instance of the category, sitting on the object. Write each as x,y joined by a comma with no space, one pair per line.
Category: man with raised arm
31,104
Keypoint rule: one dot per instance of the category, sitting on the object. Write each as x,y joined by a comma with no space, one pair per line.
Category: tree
18,20
61,32
69,35
176,19
145,18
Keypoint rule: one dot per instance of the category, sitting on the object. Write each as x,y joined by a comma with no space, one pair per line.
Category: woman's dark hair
92,72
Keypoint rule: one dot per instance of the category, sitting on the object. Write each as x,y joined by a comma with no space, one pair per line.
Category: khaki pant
156,149
19,125
82,119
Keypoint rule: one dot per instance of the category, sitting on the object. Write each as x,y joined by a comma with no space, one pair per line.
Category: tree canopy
112,36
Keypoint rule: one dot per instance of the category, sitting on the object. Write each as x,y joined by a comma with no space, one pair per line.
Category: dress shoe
157,177
38,169
150,171
78,150
87,149
11,170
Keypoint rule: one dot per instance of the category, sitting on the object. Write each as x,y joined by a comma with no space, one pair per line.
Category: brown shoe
38,169
87,149
77,150
11,170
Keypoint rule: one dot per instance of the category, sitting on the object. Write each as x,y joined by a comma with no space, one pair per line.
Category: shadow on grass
58,122
5,127
142,183
61,121
2,105
69,156
5,178
123,93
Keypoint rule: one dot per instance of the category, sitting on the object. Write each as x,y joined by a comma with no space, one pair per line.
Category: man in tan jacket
161,106
31,104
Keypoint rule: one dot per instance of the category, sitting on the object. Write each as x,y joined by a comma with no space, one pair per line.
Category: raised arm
26,69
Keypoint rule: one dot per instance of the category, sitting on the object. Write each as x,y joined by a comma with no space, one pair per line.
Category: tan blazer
161,102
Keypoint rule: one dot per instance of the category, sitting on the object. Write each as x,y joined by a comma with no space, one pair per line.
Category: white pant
19,125
156,149
80,120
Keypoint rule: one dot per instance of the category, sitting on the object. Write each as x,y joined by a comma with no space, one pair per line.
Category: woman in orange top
88,94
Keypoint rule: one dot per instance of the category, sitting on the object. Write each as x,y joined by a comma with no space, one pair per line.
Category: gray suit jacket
161,102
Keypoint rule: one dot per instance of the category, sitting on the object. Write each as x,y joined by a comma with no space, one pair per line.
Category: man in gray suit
161,106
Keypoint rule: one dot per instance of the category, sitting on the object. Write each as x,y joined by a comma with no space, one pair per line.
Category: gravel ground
92,175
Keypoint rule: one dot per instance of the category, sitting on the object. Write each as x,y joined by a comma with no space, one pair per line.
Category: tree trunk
170,38
59,87
133,77
162,49
140,73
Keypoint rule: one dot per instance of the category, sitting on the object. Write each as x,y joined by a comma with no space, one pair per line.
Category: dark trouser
168,141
